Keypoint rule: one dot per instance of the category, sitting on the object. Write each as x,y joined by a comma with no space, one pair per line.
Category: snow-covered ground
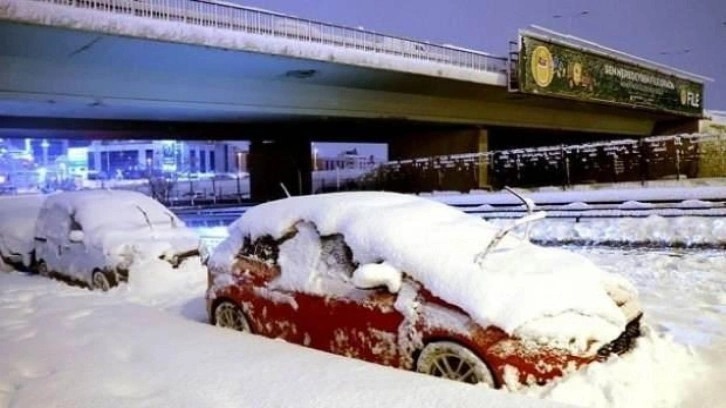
682,362
144,344
147,343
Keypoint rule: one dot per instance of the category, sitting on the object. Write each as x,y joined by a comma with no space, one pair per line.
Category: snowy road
142,345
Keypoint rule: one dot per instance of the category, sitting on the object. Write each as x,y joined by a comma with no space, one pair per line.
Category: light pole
239,163
571,18
315,158
45,145
239,176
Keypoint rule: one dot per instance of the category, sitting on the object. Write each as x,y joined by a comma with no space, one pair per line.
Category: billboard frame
613,77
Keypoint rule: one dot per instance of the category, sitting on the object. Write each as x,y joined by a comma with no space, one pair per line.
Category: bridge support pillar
443,143
275,161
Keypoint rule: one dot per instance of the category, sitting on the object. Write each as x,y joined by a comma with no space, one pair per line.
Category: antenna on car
528,202
527,219
284,189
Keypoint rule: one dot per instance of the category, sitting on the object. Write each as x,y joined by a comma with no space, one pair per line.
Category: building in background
345,160
142,158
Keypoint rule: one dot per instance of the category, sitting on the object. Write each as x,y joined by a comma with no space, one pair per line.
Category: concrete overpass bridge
189,68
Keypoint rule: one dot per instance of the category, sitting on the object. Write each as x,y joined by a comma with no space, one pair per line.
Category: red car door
358,323
271,312
342,319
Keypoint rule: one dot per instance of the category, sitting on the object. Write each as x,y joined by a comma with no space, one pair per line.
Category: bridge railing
229,16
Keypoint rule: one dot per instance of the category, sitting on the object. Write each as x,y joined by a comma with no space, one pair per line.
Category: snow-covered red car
94,236
411,283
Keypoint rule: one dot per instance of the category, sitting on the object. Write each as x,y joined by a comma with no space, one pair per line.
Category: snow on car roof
118,208
515,288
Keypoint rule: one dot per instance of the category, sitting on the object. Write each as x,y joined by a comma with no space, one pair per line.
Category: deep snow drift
69,347
72,347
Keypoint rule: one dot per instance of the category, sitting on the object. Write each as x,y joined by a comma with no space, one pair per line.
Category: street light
45,145
239,164
315,158
571,17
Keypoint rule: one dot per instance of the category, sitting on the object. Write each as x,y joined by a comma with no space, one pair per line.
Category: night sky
686,34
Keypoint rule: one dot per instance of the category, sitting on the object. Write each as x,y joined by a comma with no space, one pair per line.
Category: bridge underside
57,82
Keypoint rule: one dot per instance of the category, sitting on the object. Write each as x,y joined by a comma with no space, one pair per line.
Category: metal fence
227,16
653,158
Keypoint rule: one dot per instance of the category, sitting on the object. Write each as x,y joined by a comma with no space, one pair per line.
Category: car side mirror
373,275
75,236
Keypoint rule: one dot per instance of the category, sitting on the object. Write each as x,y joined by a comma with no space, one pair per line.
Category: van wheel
42,269
101,280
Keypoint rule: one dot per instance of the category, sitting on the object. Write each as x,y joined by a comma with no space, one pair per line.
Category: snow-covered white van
93,237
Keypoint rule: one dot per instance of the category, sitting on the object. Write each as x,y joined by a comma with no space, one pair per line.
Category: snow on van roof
516,287
98,208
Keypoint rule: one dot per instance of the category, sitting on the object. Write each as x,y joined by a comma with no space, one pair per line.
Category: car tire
42,268
229,315
102,281
453,361
5,265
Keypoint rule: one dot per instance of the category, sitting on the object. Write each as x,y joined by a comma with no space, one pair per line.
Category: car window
336,258
74,224
264,248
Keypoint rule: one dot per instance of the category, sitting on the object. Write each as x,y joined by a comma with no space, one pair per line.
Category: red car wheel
450,360
229,315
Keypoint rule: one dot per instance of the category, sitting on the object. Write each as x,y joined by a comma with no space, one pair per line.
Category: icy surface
68,347
17,224
519,287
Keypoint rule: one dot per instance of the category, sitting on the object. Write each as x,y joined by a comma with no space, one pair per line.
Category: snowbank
681,360
521,288
68,347
659,373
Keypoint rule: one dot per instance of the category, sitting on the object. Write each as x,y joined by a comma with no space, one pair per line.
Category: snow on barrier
233,17
673,157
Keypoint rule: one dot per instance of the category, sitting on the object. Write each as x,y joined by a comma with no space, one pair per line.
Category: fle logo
689,98
543,69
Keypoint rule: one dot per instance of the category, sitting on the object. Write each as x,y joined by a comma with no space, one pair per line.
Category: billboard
554,69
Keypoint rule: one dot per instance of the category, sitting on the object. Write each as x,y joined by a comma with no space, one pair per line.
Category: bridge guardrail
229,16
